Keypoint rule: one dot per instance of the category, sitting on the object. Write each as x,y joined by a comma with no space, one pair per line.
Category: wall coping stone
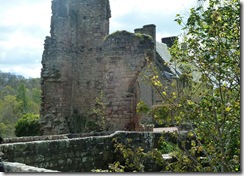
52,137
66,137
19,167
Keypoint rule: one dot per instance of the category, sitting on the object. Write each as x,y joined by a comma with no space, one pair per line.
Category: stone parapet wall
52,137
80,154
19,167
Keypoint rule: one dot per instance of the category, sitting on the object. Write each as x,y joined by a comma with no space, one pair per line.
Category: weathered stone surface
82,63
71,75
81,60
125,55
19,167
81,154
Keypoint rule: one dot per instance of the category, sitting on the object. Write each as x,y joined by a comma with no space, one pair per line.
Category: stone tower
71,61
80,61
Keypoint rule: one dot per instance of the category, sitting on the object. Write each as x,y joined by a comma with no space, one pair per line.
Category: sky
24,24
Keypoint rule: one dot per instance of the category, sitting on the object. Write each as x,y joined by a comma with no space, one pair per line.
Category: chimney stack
169,41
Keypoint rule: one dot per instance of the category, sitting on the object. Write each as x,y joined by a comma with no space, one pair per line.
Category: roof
163,51
164,54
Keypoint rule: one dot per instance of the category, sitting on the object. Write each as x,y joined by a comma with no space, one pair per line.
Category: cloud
23,27
128,15
164,24
151,7
26,70
25,24
23,61
20,56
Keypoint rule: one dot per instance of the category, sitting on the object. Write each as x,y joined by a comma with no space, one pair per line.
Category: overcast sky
25,23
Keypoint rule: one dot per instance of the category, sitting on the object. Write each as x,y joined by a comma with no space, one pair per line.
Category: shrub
135,159
28,125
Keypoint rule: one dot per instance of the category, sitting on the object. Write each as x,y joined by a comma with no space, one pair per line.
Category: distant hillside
18,96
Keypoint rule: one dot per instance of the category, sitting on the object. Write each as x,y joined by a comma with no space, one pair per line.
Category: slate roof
164,56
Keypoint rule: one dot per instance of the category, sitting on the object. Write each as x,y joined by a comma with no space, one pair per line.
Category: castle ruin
83,64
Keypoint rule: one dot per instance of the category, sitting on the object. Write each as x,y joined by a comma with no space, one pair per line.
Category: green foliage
22,98
142,108
209,106
143,36
18,96
131,158
167,147
162,115
36,94
27,125
115,167
3,129
9,114
136,159
95,122
100,112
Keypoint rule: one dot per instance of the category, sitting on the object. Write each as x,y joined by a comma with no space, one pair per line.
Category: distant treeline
18,96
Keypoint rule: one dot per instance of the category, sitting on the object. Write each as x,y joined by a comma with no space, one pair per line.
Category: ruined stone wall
81,61
72,73
125,56
149,29
76,154
146,91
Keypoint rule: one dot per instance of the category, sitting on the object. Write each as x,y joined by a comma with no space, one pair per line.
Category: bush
131,158
28,125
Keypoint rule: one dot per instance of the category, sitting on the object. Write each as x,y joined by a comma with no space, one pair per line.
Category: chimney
169,41
149,29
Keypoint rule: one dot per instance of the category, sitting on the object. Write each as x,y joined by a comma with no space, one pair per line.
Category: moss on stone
144,36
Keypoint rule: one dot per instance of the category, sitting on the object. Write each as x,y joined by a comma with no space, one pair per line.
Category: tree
18,96
22,97
7,90
9,114
209,106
